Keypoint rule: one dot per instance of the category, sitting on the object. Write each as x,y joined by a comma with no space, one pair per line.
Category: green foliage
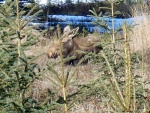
117,83
123,89
17,71
99,20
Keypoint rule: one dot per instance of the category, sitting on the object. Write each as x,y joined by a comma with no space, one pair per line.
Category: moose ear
69,35
73,32
66,30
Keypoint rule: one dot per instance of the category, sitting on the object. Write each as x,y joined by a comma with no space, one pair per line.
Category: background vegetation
82,8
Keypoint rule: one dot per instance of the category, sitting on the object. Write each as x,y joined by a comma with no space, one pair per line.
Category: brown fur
71,44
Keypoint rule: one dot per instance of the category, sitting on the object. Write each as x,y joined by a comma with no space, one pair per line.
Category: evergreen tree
68,2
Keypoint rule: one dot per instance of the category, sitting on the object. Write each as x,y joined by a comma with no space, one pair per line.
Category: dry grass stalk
140,31
141,43
140,40
127,61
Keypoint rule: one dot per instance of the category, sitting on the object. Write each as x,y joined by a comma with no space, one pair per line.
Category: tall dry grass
140,43
140,37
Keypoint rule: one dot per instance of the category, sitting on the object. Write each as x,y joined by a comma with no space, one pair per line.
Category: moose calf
70,45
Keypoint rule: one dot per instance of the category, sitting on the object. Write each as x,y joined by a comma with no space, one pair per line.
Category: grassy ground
140,44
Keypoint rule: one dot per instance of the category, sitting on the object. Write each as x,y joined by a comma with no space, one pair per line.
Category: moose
71,44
